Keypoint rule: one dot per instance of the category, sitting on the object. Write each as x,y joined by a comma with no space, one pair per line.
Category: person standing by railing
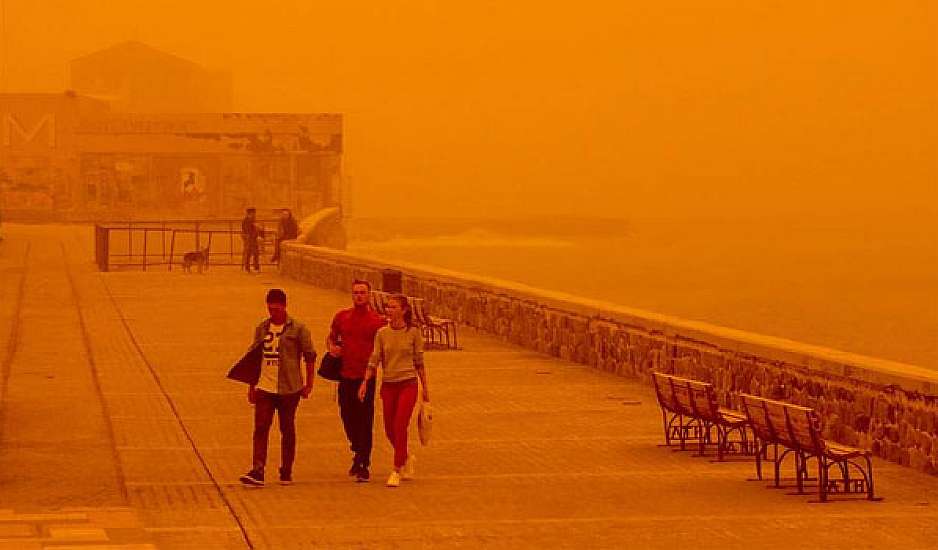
249,234
287,230
399,351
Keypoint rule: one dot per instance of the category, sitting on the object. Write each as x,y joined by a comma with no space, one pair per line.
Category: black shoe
286,478
253,478
353,471
363,476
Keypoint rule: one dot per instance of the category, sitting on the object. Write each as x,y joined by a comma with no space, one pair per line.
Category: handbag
425,423
248,368
330,368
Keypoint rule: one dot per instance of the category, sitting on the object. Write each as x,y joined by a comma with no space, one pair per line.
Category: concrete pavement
529,451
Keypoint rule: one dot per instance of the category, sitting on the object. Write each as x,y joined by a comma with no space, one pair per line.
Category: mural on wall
114,181
192,185
29,183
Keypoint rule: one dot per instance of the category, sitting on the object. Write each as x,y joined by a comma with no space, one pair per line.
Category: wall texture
889,407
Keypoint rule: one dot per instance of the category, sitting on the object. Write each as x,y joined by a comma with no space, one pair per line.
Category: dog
199,258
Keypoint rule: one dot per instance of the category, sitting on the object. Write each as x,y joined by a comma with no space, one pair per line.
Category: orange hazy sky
585,108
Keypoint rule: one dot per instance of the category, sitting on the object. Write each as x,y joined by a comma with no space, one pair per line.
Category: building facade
70,157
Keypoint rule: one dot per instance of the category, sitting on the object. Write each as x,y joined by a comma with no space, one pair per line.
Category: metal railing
148,244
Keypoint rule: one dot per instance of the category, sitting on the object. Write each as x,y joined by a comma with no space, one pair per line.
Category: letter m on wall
24,134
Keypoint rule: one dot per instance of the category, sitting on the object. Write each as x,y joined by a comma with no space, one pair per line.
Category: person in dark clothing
249,234
286,231
352,338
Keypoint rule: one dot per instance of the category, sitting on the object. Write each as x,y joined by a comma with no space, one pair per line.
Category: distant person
249,235
281,385
352,338
399,351
286,231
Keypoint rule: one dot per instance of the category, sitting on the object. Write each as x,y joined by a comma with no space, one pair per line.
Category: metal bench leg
869,478
700,442
822,476
681,431
759,450
667,434
723,436
778,466
800,464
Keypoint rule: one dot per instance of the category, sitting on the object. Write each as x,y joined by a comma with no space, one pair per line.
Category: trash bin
391,280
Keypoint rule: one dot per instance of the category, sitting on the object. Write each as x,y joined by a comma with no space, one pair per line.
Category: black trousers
276,257
358,417
251,252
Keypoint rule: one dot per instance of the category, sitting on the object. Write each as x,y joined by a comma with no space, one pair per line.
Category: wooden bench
690,412
798,431
378,300
437,331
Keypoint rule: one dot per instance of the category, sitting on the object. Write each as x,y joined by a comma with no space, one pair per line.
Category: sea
857,285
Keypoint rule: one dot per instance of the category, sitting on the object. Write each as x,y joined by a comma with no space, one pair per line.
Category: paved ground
119,430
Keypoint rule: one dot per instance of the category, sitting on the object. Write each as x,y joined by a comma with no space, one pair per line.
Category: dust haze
766,151
613,109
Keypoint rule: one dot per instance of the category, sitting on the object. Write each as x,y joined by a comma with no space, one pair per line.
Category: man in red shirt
352,338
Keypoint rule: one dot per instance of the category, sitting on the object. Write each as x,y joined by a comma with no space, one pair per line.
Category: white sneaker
394,480
409,470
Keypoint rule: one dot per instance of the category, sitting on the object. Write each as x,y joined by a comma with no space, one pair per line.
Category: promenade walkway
118,430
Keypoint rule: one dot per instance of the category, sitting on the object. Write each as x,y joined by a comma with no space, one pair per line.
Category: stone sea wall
889,407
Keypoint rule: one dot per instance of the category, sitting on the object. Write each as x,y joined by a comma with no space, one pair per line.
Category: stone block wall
889,407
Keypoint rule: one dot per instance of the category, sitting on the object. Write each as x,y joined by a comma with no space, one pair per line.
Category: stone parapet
889,407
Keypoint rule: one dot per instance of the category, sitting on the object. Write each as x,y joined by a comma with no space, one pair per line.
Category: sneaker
353,471
394,480
286,478
408,471
253,478
363,475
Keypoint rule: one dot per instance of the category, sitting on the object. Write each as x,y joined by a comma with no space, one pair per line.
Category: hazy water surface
869,289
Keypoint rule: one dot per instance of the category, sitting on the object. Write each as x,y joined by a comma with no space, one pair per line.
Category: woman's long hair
405,307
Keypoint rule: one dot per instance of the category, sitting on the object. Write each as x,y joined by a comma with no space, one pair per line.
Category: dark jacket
288,229
249,228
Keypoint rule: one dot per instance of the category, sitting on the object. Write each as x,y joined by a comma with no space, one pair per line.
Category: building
69,157
136,78
39,164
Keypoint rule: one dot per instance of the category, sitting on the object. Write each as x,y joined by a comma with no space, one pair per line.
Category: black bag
330,367
248,368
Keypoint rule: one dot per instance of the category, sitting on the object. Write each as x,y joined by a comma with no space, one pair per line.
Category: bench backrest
757,413
791,425
379,299
685,396
704,400
805,429
419,308
663,390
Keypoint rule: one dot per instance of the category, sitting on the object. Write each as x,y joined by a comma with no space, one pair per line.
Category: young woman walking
399,351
